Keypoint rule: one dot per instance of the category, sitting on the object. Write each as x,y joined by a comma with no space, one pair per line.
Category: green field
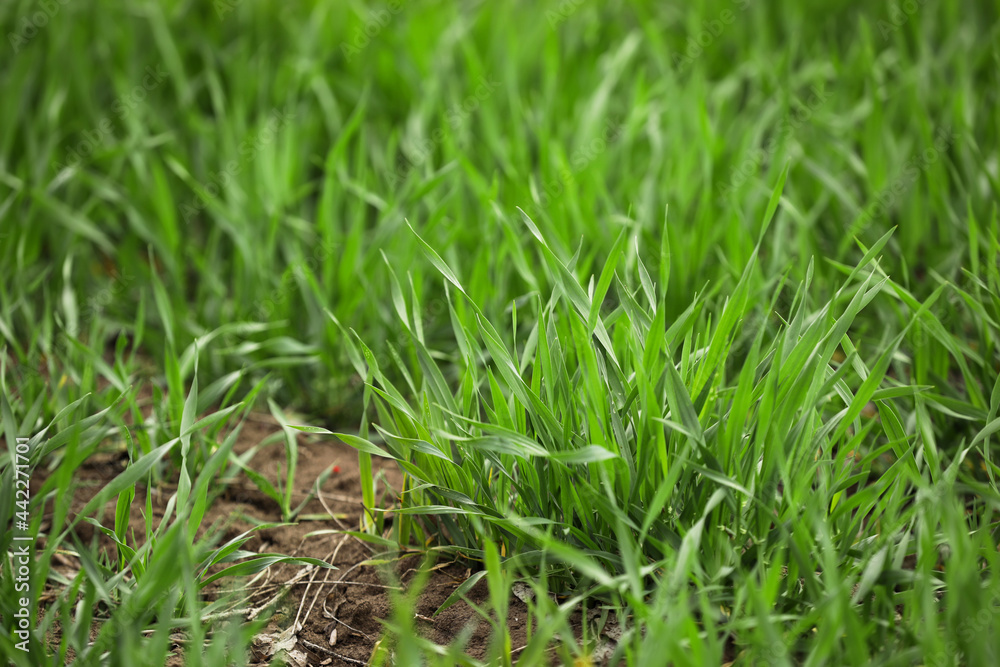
675,328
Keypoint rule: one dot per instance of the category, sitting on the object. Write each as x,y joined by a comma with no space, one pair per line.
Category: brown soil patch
351,610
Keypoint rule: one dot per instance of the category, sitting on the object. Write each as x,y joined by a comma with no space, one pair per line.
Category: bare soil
340,611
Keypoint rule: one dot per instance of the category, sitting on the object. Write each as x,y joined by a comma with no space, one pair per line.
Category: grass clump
649,467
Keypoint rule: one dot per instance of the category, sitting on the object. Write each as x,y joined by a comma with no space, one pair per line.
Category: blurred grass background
258,159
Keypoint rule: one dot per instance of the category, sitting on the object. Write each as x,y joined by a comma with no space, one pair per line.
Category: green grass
687,313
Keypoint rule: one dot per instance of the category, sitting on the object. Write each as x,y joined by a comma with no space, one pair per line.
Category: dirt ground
339,610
